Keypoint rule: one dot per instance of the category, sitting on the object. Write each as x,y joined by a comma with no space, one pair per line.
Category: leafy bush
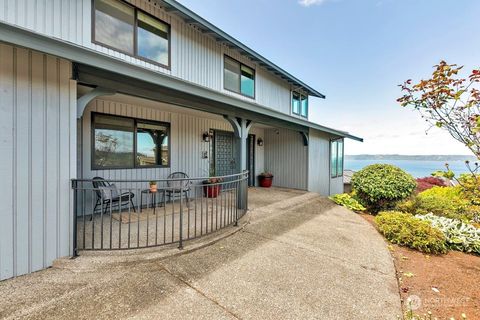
443,201
470,186
380,186
347,201
429,182
460,236
407,205
406,230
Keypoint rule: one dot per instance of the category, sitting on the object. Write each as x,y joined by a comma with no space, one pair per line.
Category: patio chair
107,195
179,186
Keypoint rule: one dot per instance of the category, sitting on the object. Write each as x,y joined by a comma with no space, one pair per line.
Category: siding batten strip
14,163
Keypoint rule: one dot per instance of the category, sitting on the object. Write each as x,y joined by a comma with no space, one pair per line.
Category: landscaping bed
432,227
454,275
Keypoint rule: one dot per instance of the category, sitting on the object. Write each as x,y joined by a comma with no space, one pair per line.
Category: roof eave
193,18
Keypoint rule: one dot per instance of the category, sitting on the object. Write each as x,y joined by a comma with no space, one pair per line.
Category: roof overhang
206,27
98,69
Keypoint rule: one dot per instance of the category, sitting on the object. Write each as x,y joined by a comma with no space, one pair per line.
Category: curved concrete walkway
301,258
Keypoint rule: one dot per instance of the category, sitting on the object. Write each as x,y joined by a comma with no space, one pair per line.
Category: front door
251,159
225,163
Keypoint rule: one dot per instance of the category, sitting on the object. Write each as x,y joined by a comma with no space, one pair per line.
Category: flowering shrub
347,201
380,186
406,230
460,236
429,182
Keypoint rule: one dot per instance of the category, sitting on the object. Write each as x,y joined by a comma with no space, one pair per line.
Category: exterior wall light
206,137
260,142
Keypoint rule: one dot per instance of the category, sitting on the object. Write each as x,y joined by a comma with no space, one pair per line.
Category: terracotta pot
211,191
153,188
265,182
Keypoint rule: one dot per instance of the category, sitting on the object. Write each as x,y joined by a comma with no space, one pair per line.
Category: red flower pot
211,191
265,182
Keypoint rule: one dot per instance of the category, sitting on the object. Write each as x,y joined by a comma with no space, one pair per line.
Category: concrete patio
298,258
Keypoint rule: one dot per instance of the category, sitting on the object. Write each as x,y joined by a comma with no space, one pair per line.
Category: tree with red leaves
449,102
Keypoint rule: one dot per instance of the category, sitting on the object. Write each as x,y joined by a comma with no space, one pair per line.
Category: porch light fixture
206,137
260,142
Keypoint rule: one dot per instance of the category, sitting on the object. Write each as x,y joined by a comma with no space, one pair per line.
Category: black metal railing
129,214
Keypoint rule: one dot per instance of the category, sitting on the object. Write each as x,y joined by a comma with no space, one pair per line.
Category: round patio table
153,197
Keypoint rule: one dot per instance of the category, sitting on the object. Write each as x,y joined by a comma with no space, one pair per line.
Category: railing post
180,231
74,240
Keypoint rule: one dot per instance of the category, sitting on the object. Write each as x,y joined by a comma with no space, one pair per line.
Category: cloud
308,3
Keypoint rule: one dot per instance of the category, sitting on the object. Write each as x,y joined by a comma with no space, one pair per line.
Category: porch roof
95,68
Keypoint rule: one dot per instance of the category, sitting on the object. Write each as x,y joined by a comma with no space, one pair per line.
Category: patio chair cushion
109,192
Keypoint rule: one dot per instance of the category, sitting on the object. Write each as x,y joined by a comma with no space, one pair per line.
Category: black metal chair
178,186
107,196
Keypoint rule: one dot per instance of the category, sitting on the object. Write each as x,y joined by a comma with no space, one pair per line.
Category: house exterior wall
195,57
186,143
37,154
287,158
336,185
319,178
319,162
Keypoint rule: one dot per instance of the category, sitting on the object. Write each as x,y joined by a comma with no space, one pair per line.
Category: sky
356,52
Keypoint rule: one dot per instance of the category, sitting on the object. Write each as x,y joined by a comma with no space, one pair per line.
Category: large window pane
114,24
152,39
333,158
248,81
231,75
113,142
152,145
340,158
304,106
295,103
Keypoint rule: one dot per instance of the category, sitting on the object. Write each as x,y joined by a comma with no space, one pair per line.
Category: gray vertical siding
196,57
287,158
319,163
336,185
37,104
319,179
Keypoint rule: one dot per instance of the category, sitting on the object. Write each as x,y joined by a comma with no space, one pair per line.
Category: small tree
449,102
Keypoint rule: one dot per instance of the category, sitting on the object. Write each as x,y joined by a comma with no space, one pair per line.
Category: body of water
417,168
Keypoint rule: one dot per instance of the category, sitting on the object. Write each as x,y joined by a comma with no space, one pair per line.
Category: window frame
300,95
240,78
135,36
135,122
338,173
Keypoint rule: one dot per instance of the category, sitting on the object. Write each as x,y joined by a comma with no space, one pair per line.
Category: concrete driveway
300,258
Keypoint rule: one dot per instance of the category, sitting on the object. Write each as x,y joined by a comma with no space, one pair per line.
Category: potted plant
153,186
211,187
265,179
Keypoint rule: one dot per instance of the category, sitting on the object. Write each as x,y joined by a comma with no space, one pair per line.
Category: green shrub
406,230
347,201
380,186
443,201
407,205
459,236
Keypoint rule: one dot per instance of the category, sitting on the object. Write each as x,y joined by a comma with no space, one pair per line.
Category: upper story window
238,77
336,158
300,104
125,28
124,143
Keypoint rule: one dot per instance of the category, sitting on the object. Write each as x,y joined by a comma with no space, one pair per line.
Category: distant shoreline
411,157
